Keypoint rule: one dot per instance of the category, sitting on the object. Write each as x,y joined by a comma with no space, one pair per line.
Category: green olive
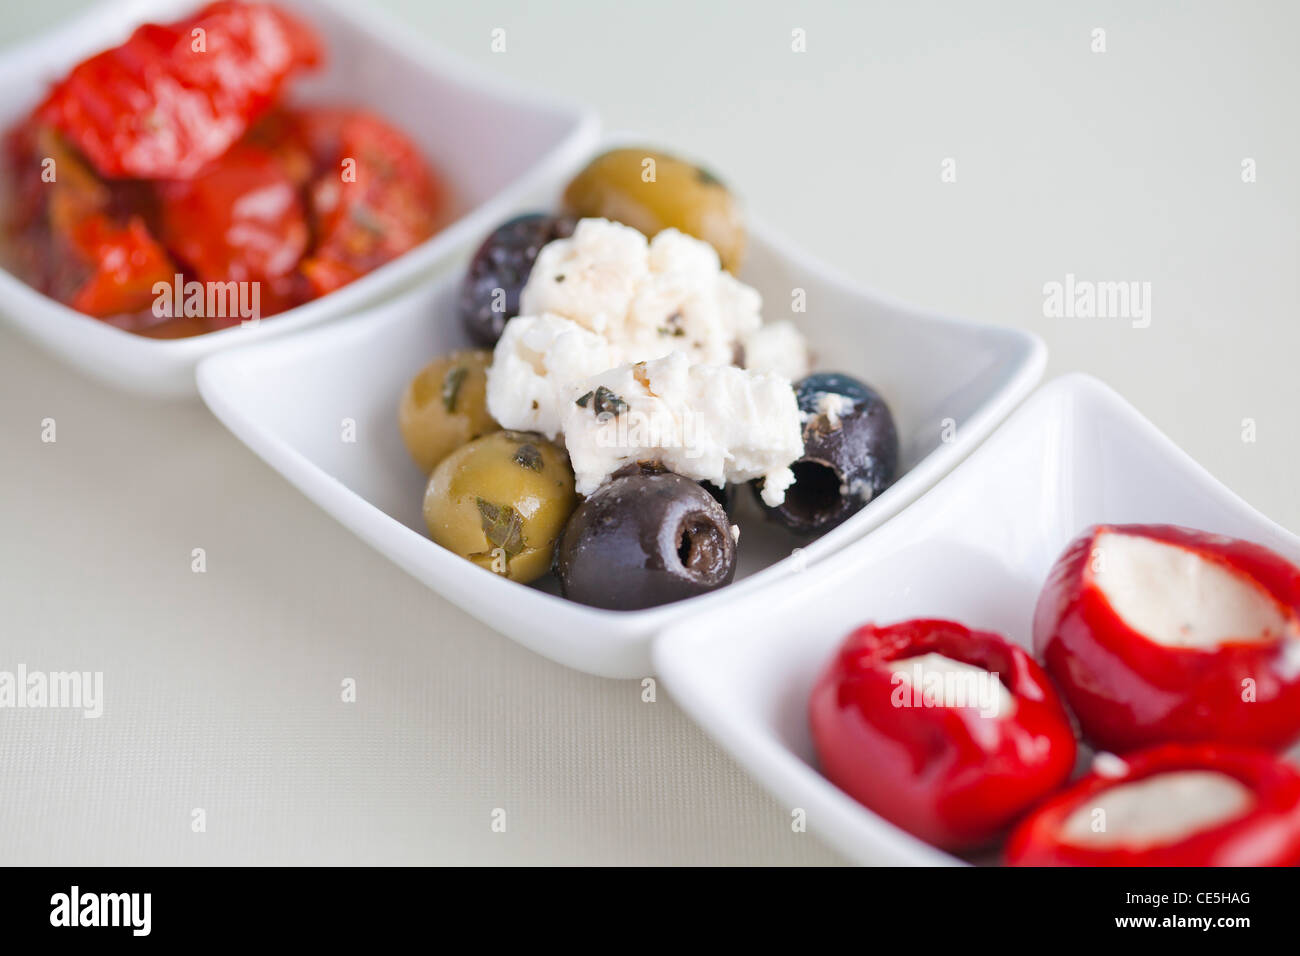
501,501
445,406
651,192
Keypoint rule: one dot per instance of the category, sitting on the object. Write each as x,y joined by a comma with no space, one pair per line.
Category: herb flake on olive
502,527
528,456
451,384
850,453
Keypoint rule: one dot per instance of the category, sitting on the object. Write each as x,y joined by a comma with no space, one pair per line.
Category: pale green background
222,688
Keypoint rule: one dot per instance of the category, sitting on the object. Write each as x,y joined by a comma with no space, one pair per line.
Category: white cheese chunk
777,347
707,422
1163,808
829,405
536,364
646,298
944,682
589,278
1176,598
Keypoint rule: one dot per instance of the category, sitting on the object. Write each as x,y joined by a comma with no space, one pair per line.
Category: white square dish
492,145
976,548
285,399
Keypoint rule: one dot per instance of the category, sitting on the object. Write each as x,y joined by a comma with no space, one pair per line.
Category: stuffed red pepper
1176,805
1156,633
950,733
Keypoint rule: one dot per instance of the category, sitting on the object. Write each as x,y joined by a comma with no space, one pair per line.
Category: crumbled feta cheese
589,278
536,364
828,405
627,348
775,484
777,347
646,298
715,423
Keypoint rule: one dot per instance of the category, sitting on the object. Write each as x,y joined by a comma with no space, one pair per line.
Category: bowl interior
926,369
976,549
294,395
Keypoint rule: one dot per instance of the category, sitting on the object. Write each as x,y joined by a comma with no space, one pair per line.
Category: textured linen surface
222,689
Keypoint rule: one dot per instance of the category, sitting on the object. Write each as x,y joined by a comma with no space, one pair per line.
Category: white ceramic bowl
976,548
286,399
492,145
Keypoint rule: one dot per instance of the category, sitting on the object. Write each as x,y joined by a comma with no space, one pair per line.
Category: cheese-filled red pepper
951,734
1176,805
1156,633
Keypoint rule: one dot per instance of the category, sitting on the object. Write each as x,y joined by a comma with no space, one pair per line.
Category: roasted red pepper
1157,633
174,97
125,265
373,198
70,236
1176,805
242,220
954,775
170,158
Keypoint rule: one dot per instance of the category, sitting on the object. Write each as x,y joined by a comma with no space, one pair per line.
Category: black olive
724,495
850,453
645,539
489,294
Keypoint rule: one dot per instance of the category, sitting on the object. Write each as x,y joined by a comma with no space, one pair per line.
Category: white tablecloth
222,689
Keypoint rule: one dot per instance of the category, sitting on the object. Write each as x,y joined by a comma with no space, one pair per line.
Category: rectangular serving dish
493,145
948,381
976,549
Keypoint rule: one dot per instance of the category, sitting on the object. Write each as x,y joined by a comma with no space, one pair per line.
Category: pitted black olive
850,453
489,294
724,495
644,539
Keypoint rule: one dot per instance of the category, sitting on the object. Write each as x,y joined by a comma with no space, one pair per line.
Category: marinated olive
489,294
651,191
645,539
501,501
724,495
445,406
850,453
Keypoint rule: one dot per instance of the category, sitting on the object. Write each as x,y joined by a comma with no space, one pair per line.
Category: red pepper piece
174,97
124,261
373,198
242,220
71,238
956,776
